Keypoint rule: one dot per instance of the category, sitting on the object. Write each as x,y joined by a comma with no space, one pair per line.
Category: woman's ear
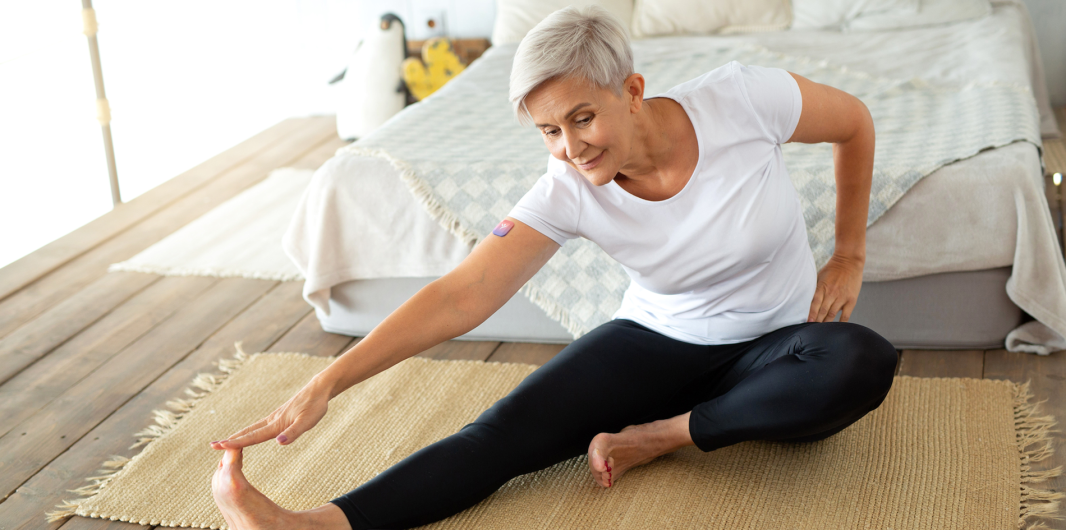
633,92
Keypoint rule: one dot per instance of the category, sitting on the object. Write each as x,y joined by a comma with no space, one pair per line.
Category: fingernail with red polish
282,438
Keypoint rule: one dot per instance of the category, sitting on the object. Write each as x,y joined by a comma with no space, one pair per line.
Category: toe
233,458
599,450
597,461
603,474
230,476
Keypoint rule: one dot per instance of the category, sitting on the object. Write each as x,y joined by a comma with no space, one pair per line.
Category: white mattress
984,212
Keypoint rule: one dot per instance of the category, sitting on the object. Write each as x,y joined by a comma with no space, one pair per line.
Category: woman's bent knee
873,346
864,360
875,358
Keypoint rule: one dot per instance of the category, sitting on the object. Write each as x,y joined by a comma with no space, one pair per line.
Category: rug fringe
165,422
1031,429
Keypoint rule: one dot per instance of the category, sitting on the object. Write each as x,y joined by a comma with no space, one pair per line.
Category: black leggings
803,382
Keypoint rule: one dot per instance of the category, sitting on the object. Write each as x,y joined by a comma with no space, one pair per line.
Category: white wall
462,18
53,174
1049,20
185,82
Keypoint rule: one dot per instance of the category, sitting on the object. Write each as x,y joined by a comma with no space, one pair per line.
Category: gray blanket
465,158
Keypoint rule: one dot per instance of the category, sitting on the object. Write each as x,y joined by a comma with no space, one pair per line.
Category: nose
574,146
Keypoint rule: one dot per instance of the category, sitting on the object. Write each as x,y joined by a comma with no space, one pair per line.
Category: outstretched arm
831,115
446,308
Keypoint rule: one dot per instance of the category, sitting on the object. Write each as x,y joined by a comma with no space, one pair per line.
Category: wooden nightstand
466,49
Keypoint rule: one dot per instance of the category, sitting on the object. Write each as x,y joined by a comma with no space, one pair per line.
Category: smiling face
588,127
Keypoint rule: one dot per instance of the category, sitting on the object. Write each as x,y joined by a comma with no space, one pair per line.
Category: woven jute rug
939,453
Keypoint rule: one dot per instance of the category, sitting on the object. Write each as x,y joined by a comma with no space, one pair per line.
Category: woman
725,334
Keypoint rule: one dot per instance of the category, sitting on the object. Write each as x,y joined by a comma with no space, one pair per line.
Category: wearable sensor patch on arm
502,228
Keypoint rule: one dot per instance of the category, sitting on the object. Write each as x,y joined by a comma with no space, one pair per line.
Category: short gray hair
586,42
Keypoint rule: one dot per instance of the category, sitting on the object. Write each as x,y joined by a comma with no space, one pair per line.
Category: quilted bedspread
465,158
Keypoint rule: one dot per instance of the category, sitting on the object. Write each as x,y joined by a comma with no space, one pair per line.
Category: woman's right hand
446,308
301,412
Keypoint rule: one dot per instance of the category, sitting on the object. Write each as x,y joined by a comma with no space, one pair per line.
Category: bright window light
183,85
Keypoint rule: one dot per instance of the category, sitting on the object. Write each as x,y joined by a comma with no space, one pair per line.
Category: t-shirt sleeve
775,98
551,207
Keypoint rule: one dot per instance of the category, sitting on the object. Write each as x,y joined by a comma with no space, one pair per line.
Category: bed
964,257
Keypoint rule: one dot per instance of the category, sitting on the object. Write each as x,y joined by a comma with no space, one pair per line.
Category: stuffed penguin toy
372,88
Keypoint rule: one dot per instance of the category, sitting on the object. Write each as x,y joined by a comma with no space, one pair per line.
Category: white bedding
983,212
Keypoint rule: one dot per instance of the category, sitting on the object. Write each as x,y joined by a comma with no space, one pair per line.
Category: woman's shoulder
752,94
721,78
736,77
553,204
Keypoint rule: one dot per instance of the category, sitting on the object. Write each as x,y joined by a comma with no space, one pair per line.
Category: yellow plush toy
440,65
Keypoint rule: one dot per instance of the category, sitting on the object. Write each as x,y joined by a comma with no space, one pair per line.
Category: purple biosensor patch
502,228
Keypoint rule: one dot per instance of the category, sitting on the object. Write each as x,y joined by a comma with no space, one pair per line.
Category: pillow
673,17
930,13
836,14
514,18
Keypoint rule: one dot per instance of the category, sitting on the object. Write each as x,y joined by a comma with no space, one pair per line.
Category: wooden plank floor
86,355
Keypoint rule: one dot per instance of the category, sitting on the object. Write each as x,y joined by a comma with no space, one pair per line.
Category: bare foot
611,455
245,508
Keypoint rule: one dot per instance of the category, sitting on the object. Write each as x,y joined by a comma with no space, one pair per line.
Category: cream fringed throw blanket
939,453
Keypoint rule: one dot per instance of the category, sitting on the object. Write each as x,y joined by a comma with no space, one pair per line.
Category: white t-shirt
726,259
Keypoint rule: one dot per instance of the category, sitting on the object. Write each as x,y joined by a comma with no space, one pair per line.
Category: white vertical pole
103,110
